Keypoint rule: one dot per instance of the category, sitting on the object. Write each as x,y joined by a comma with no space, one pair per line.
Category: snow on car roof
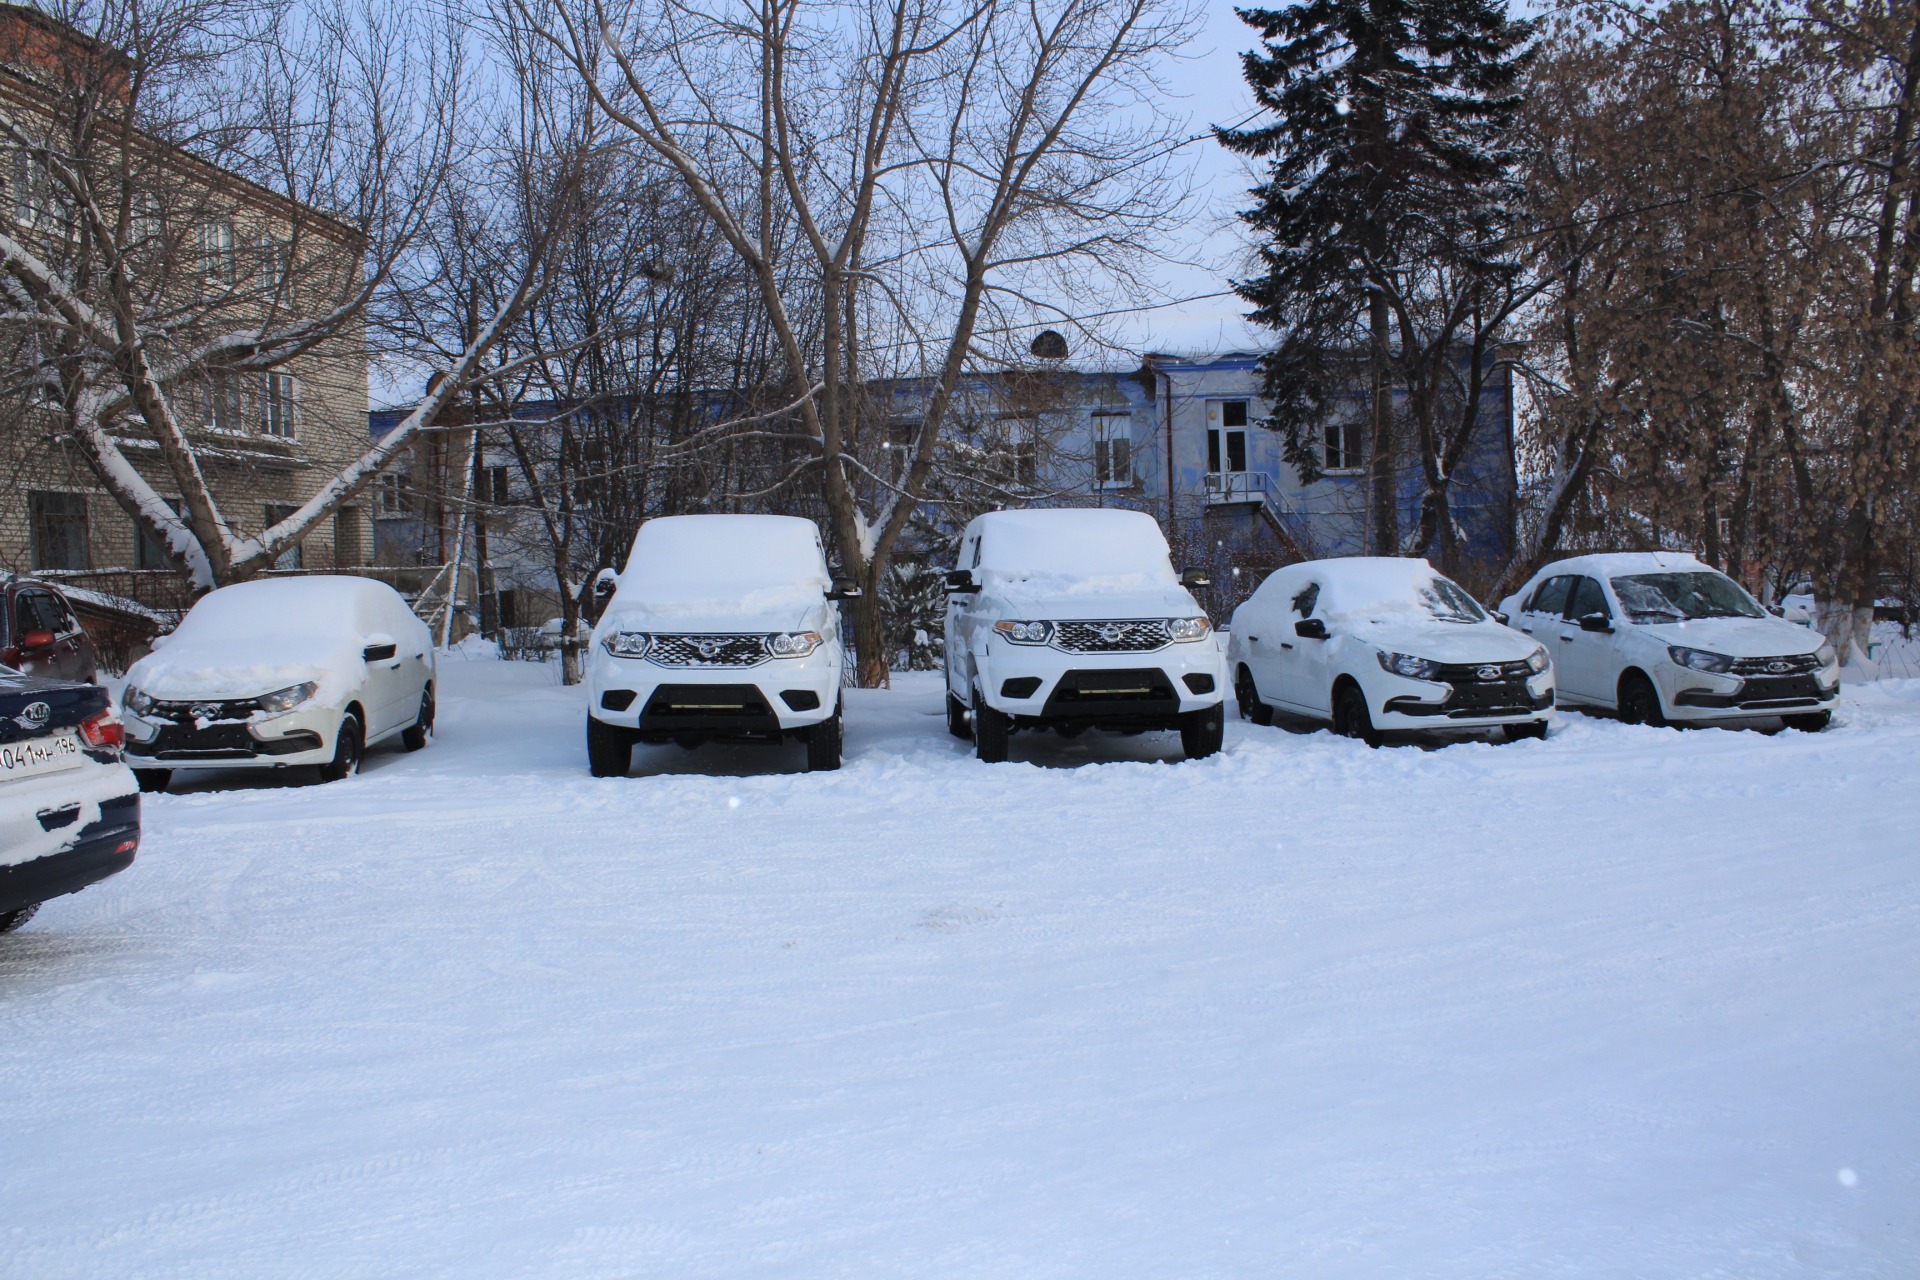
713,557
1356,584
1075,542
317,604
1612,564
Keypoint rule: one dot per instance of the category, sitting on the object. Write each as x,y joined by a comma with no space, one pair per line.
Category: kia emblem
35,715
1488,672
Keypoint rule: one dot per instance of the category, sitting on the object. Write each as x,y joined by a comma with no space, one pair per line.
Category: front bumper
773,697
1458,706
303,736
101,848
1700,695
1042,685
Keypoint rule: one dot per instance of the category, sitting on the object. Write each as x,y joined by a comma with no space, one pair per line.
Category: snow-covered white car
720,628
280,673
1374,644
1071,619
1659,636
69,810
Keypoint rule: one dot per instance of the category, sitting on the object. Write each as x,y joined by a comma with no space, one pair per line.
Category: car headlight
1826,655
288,698
626,644
138,701
1700,659
1405,664
793,644
1537,661
1184,629
1024,632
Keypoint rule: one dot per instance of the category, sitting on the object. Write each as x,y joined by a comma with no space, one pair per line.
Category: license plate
39,755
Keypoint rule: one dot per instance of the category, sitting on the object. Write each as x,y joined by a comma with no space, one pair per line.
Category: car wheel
1811,722
347,746
957,717
1639,703
153,779
991,729
609,749
1251,708
1203,732
1519,732
1351,719
415,736
823,745
11,920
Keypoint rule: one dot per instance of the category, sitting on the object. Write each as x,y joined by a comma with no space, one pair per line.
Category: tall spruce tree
1387,175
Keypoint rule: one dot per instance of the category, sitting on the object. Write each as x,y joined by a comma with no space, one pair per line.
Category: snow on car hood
1736,637
785,608
247,666
1058,596
1441,641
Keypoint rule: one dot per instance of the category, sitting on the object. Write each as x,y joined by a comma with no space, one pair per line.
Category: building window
277,394
1342,441
271,258
1226,436
59,530
150,551
393,495
216,250
34,201
497,490
224,408
290,558
146,230
1112,452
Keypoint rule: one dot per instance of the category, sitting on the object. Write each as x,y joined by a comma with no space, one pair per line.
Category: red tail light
103,729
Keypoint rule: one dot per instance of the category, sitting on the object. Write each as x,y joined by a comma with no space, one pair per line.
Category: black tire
609,749
1251,708
957,718
415,735
1351,719
823,744
348,747
153,779
1518,732
11,920
991,729
1639,701
1202,733
1811,722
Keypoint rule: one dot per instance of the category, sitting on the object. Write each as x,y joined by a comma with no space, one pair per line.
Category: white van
720,628
1073,619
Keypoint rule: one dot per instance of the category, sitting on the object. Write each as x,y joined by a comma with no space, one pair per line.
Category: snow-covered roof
1075,542
317,604
1608,564
722,556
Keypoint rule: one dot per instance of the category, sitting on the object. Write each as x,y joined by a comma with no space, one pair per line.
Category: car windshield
1378,587
1674,597
1448,601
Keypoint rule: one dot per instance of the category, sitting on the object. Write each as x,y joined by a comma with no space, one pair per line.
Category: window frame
40,522
274,405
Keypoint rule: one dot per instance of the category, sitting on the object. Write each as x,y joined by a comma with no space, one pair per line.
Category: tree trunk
1383,525
872,669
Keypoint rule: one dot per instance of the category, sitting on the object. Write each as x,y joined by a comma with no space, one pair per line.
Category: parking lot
1626,1002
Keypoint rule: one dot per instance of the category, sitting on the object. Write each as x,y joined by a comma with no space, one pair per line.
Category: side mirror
1311,628
1595,622
1195,578
960,582
1777,610
844,589
1501,618
37,640
380,647
604,582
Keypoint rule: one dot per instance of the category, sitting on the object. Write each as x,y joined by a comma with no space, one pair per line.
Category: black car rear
69,809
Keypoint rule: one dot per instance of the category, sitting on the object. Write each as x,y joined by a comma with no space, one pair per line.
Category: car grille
1457,673
207,709
1768,689
1140,636
1796,664
708,650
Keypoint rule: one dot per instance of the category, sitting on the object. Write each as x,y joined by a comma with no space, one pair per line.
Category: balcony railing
1237,486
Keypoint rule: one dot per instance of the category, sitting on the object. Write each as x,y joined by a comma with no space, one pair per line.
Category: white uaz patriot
720,628
280,673
1073,619
1374,644
1659,636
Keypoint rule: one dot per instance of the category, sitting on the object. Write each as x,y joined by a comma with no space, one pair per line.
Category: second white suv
1073,619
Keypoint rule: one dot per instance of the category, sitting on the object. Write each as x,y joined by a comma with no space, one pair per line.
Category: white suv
720,628
1073,619
1659,636
1377,644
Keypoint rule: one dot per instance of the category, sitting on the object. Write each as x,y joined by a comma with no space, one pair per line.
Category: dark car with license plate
40,634
69,806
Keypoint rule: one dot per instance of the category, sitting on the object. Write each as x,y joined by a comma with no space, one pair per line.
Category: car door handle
1285,645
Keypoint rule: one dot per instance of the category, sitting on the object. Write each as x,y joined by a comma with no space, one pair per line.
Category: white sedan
1376,644
281,673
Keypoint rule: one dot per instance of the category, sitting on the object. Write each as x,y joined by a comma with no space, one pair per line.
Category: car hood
1736,637
1061,601
778,609
1443,641
245,667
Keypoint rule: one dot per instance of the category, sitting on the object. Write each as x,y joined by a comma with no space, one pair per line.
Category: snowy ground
1626,1003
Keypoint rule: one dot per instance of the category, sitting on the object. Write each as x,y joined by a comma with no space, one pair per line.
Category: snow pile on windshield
1075,551
1670,597
1379,587
255,637
722,565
